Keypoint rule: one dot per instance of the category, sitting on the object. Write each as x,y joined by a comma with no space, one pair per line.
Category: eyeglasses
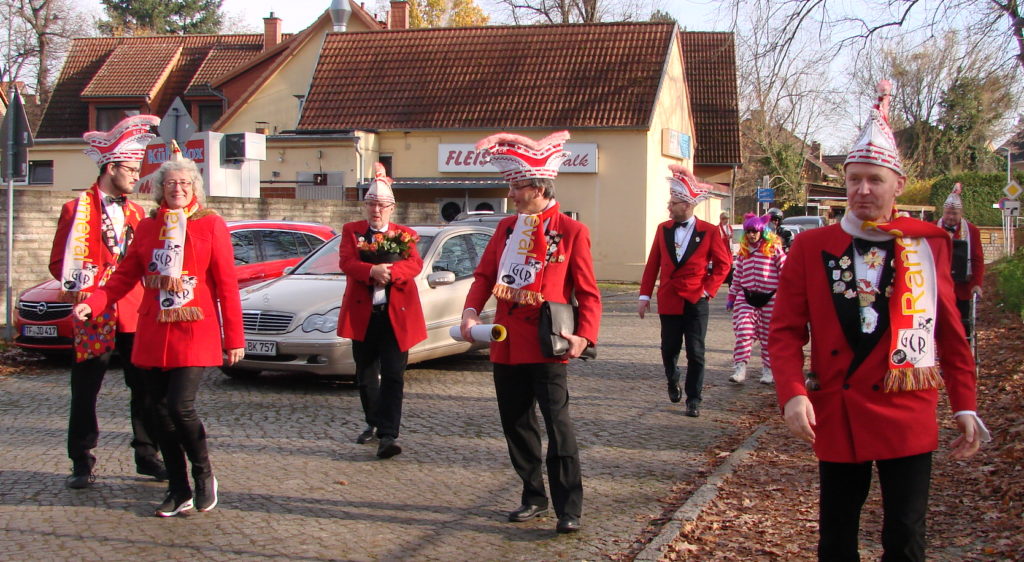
176,183
522,184
751,230
131,171
372,205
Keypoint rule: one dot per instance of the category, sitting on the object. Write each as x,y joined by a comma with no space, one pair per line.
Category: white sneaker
766,375
739,373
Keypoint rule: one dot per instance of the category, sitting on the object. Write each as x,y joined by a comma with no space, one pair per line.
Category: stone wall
36,212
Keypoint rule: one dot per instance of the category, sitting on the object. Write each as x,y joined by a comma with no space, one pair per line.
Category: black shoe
367,435
692,410
206,493
151,467
388,448
526,512
175,503
568,524
675,394
80,481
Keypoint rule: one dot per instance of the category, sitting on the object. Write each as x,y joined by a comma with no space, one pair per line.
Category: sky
296,15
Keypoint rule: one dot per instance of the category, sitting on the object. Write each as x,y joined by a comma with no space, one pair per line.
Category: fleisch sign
582,159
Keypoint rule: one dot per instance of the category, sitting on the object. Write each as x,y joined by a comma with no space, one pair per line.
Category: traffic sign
765,195
16,136
1013,190
1011,208
177,124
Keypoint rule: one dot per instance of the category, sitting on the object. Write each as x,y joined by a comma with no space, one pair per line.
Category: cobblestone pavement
294,485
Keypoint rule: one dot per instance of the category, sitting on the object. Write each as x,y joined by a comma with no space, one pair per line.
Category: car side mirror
288,270
438,278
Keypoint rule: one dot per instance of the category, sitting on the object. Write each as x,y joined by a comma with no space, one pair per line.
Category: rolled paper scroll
481,332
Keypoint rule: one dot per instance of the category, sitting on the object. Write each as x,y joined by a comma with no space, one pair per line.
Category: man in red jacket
683,249
875,297
103,221
968,263
537,255
380,312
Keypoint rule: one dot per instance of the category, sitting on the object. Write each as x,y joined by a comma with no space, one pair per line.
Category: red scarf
521,267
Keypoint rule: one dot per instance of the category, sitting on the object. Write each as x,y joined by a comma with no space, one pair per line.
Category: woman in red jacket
184,256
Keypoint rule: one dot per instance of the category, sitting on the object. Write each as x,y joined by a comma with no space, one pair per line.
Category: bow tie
950,228
864,246
681,224
120,200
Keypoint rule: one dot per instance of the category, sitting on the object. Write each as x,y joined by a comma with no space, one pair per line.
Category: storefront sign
582,159
675,143
157,153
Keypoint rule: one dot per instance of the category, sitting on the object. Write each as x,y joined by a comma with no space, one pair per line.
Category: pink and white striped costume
759,273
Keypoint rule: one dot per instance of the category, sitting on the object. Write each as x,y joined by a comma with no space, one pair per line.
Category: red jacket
856,421
560,279
182,344
404,307
688,280
128,308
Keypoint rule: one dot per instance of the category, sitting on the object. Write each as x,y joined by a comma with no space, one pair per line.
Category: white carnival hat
876,143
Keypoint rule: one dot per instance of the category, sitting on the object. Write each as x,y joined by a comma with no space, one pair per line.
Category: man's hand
381,273
799,416
642,307
235,355
976,291
469,319
83,311
970,438
576,345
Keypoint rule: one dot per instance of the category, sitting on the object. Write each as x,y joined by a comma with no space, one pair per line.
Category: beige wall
72,169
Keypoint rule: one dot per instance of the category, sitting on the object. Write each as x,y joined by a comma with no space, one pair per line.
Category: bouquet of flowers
386,247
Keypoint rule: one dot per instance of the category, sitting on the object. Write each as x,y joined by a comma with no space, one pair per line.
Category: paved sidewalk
295,487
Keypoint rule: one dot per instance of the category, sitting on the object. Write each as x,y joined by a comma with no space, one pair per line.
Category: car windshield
324,261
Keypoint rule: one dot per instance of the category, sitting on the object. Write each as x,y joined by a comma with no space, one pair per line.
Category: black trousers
844,487
380,374
519,388
965,315
179,430
83,427
691,326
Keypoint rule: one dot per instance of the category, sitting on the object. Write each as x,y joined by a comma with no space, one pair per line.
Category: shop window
107,117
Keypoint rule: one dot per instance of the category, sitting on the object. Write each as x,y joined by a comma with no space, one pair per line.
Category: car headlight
326,322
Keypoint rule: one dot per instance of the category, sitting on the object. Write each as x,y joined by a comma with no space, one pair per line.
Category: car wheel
240,374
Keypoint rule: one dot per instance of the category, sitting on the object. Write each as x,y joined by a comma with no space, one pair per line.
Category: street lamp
1009,162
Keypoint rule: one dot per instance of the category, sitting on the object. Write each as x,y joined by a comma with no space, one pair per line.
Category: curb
690,510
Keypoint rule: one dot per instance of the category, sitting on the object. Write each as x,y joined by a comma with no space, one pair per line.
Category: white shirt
116,214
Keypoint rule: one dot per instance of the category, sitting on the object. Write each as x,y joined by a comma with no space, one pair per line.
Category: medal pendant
868,320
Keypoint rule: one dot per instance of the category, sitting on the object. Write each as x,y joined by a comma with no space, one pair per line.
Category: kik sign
582,159
157,153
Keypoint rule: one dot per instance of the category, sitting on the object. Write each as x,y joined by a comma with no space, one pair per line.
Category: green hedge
980,192
1010,278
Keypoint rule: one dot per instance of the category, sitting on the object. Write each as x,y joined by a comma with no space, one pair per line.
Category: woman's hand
83,311
235,355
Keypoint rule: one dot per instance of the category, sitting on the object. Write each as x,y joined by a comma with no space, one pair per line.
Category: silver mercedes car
291,322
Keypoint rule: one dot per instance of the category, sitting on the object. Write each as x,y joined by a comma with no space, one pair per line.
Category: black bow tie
864,246
120,200
681,224
950,228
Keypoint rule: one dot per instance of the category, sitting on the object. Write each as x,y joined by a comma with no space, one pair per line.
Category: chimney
340,12
271,32
816,150
398,18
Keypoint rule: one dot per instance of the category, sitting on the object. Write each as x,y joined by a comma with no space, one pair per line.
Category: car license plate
253,347
34,331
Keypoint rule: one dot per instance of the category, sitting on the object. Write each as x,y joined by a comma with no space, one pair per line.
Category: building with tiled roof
333,103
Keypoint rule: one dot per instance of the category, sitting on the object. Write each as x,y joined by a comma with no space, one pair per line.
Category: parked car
479,217
806,223
263,249
291,322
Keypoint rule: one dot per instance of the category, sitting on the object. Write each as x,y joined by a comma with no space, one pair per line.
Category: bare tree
522,12
39,33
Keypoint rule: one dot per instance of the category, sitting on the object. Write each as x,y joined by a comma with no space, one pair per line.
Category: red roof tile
67,114
133,70
578,76
219,60
710,60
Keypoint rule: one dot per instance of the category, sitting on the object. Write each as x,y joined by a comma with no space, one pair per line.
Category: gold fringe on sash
916,378
73,297
183,314
163,282
521,296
